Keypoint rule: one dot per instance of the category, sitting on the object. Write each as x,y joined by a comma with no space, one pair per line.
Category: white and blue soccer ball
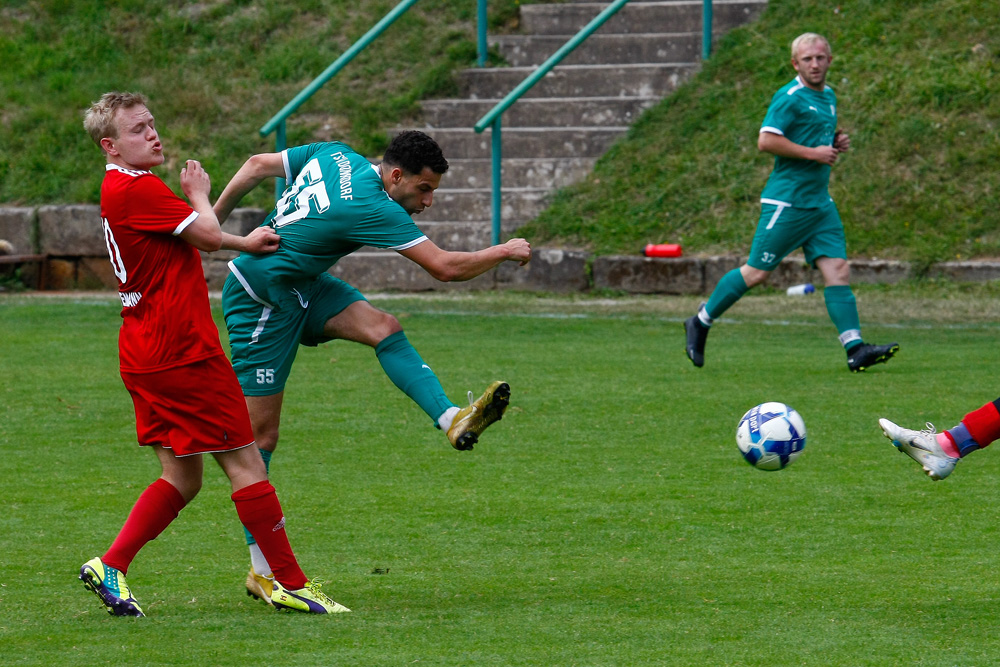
771,436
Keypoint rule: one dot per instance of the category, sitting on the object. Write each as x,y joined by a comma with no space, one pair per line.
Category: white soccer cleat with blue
922,447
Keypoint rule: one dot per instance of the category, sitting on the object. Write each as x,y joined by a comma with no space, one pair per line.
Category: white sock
447,417
258,561
704,317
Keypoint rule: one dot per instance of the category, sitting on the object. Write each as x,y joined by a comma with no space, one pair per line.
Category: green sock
843,310
413,377
729,290
266,455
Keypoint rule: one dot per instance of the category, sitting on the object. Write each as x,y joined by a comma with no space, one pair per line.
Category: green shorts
782,229
264,340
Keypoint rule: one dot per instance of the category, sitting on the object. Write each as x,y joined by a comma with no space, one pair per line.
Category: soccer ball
771,436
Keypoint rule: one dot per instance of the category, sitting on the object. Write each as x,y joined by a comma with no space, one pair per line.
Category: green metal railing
277,122
492,117
706,29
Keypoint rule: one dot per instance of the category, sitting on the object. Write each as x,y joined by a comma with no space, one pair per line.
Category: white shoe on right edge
922,447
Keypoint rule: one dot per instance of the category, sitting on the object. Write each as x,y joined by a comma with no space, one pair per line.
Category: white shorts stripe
264,315
774,218
246,286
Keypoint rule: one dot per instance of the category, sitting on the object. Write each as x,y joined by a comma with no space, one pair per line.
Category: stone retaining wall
71,237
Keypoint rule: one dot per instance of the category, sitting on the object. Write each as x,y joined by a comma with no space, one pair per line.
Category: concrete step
455,205
535,112
538,172
527,142
523,50
635,80
637,16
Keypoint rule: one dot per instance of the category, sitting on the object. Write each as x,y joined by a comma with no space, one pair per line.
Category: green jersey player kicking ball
800,130
337,202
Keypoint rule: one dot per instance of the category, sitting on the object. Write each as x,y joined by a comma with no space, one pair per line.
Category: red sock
158,505
983,424
260,512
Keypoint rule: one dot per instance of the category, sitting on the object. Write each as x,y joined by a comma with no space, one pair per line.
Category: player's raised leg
363,323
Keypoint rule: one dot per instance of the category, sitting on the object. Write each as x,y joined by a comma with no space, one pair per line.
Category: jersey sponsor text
346,191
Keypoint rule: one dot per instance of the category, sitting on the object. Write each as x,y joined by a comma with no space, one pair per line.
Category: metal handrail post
280,144
496,149
481,30
706,29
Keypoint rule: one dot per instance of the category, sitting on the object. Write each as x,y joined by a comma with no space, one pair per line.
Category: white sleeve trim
186,223
407,246
771,130
775,202
288,167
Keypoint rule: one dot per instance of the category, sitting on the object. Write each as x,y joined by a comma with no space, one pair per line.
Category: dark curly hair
412,150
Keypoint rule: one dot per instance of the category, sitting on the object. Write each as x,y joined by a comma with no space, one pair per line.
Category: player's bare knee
384,327
187,486
753,277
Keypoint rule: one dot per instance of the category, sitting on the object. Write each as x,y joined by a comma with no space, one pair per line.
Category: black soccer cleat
697,334
865,355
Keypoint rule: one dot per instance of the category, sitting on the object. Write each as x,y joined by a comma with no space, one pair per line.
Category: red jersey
166,317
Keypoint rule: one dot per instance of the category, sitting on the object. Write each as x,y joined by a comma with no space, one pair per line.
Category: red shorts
197,408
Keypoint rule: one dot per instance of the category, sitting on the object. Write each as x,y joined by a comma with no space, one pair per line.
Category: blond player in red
187,400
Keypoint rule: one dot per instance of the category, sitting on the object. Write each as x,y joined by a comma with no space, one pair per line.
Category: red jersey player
187,400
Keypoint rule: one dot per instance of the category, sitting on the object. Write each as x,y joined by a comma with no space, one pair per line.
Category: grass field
607,520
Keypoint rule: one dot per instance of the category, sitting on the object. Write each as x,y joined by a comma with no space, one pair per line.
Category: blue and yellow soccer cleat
110,586
260,586
310,600
471,421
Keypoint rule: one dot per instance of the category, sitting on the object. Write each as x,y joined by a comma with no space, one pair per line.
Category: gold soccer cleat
470,422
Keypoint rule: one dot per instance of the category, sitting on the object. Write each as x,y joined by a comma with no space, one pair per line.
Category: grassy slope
215,72
916,82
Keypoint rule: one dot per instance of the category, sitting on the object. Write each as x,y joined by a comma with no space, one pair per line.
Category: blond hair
809,38
99,119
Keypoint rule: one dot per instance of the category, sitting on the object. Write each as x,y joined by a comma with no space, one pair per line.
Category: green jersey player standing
800,130
337,202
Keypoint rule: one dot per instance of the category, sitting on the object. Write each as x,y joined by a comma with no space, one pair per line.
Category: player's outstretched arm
250,175
448,266
260,241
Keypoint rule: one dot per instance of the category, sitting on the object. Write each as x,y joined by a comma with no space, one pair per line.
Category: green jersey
335,203
809,118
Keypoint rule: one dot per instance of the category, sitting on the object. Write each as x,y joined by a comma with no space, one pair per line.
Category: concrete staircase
553,135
